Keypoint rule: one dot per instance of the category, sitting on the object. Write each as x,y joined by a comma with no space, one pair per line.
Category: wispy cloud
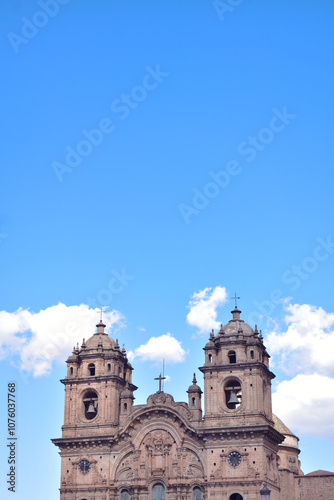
203,308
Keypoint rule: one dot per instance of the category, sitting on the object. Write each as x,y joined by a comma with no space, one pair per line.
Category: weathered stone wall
287,484
314,487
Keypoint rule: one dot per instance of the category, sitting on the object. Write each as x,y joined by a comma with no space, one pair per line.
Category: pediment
167,400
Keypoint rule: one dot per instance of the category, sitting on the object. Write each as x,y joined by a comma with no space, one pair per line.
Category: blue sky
155,101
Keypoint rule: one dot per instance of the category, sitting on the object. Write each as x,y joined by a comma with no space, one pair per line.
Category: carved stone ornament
158,442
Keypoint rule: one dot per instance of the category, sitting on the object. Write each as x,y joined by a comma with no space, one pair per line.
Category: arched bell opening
91,369
233,394
90,401
232,356
236,496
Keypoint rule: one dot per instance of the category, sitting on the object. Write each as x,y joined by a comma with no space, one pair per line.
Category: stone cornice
225,434
241,366
84,443
97,378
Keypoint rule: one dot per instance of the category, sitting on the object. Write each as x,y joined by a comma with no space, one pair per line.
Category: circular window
84,466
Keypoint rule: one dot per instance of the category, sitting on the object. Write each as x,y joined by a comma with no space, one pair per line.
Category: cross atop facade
235,299
160,378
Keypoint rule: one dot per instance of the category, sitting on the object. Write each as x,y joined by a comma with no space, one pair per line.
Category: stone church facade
112,449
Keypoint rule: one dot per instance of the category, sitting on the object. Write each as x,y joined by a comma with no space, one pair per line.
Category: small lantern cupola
236,314
194,400
126,403
100,327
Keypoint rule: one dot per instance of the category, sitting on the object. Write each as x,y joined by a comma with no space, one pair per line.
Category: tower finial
101,326
194,379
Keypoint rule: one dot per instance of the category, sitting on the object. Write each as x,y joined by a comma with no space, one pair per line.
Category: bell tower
237,379
237,402
98,395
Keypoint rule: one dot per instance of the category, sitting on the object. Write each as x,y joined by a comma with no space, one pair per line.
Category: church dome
291,440
126,393
237,326
73,358
100,340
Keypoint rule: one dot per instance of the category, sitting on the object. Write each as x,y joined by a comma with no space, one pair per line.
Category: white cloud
164,347
305,350
306,403
307,345
203,308
41,338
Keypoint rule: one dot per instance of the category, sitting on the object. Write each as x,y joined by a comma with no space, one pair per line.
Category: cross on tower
235,299
160,378
102,310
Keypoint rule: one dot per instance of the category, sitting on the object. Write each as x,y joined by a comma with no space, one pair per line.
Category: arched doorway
236,496
125,495
158,492
197,493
